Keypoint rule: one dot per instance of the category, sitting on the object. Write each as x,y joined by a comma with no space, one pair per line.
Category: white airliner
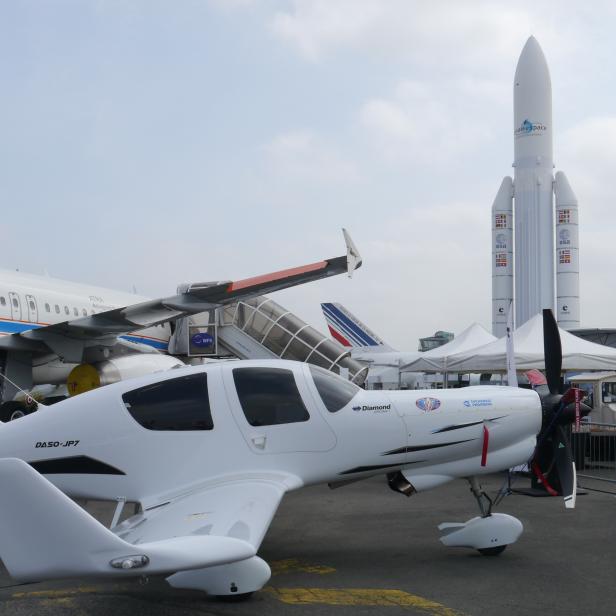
49,326
236,437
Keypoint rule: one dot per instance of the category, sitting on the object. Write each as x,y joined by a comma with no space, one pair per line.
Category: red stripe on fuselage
484,450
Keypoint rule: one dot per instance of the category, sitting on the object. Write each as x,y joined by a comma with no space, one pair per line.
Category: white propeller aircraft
209,451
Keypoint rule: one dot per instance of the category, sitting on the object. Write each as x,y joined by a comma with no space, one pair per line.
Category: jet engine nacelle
85,377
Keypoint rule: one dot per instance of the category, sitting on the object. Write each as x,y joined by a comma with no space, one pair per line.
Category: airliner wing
45,535
67,339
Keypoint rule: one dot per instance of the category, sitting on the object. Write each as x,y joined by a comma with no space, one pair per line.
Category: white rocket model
532,190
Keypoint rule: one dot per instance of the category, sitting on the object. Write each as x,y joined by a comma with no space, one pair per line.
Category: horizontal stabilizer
45,535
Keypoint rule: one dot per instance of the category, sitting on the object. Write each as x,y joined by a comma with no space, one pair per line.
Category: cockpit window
269,396
175,404
335,391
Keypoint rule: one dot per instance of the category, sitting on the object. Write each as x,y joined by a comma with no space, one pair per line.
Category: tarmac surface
363,549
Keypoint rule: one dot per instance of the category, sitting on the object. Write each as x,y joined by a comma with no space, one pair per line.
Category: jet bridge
259,327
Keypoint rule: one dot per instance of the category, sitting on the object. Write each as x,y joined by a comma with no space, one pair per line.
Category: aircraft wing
67,339
45,535
242,509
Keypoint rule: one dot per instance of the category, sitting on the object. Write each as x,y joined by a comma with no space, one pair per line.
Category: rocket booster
534,284
502,254
567,249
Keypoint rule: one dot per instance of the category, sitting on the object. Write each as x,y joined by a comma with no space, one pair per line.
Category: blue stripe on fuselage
16,327
157,344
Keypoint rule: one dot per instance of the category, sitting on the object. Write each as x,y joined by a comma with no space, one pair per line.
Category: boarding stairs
259,328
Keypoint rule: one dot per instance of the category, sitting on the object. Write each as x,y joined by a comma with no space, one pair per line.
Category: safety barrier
594,452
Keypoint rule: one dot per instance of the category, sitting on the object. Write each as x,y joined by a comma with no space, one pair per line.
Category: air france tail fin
349,331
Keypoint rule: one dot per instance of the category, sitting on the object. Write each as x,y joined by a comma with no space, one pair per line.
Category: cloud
588,155
419,31
588,150
424,123
303,156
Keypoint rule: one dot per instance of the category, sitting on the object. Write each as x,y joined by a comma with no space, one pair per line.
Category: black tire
235,598
10,411
499,549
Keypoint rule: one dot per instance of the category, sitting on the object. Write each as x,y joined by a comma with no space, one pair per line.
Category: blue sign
203,340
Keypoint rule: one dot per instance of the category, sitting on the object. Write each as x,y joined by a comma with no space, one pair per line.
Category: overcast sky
149,143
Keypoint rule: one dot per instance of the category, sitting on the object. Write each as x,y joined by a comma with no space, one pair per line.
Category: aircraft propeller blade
559,411
552,350
565,466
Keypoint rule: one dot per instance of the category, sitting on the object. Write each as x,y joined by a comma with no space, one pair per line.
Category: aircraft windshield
335,391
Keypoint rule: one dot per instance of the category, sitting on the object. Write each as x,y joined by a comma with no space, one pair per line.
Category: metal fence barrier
594,452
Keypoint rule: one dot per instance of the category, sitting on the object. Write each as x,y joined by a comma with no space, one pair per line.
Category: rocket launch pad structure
535,215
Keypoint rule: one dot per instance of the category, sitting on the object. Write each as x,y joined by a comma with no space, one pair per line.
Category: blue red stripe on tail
347,329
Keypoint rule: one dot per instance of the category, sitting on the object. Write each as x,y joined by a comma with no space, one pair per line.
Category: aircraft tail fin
45,535
349,331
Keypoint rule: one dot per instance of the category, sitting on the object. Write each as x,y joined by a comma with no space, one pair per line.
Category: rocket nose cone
532,63
563,191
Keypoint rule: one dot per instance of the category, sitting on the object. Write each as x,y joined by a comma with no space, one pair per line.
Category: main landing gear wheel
489,534
9,411
499,549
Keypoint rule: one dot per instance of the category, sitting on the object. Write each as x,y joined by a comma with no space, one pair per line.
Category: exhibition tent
578,354
436,360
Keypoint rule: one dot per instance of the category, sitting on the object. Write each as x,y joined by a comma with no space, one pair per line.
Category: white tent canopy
578,354
436,360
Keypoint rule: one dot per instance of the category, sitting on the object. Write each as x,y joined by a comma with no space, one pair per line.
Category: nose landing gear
489,533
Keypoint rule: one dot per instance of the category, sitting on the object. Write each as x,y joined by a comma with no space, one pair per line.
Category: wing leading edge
69,338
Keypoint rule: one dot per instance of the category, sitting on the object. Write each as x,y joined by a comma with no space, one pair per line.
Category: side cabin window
174,404
335,391
57,309
269,396
47,308
2,301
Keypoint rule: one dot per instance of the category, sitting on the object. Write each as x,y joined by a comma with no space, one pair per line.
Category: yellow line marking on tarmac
58,602
55,594
291,565
382,597
360,596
